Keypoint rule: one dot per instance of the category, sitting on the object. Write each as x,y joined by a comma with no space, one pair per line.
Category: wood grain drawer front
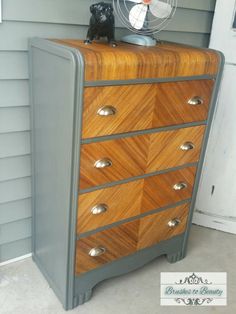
106,206
133,104
162,226
119,109
117,242
182,102
137,155
109,245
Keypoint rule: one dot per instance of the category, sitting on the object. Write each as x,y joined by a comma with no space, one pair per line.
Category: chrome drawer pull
99,209
180,186
195,101
103,163
97,251
174,223
187,146
107,111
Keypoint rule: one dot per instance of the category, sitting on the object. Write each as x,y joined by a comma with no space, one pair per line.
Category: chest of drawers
118,141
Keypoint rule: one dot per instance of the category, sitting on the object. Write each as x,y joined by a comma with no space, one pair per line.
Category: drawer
119,109
106,206
114,160
109,245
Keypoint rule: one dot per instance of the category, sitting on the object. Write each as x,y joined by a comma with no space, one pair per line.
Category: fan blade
136,1
137,15
160,9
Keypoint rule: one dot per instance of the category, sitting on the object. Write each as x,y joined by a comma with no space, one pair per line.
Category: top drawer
119,109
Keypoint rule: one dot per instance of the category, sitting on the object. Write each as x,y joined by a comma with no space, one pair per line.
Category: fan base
140,40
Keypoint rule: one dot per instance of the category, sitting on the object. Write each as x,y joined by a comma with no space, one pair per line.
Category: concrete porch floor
23,290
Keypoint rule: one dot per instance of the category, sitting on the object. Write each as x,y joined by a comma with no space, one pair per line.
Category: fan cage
151,26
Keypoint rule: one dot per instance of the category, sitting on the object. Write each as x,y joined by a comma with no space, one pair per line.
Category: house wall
50,18
215,206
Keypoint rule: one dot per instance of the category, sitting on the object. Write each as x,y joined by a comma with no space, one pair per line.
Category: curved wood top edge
127,62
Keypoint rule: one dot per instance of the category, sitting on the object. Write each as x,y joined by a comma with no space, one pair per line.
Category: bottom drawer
111,244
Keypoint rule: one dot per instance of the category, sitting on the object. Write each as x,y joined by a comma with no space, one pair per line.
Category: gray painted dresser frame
57,82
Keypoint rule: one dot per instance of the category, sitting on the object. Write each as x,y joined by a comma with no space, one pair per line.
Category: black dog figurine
102,23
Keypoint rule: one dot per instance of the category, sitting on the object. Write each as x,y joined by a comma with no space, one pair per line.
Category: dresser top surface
127,61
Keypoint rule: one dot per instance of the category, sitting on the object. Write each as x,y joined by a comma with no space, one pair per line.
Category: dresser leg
82,298
175,257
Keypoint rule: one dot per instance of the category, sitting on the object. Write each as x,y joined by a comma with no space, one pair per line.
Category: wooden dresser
118,142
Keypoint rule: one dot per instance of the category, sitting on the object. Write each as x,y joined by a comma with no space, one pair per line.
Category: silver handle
174,223
99,209
180,186
103,163
197,100
187,146
97,251
107,111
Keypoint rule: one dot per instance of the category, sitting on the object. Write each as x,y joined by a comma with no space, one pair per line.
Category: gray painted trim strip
147,81
78,107
114,183
133,218
142,132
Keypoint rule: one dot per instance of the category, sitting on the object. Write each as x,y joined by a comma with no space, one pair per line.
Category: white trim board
17,259
223,38
214,222
217,190
0,11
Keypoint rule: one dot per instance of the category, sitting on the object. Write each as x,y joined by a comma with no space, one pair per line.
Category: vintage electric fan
145,18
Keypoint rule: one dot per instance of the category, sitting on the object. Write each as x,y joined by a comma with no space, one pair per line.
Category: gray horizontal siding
14,119
14,249
205,5
15,210
14,144
16,189
14,231
14,93
196,39
55,19
194,21
14,167
75,12
13,65
18,40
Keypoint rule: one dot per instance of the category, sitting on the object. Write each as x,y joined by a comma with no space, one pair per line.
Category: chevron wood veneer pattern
154,228
129,237
145,106
138,155
133,198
